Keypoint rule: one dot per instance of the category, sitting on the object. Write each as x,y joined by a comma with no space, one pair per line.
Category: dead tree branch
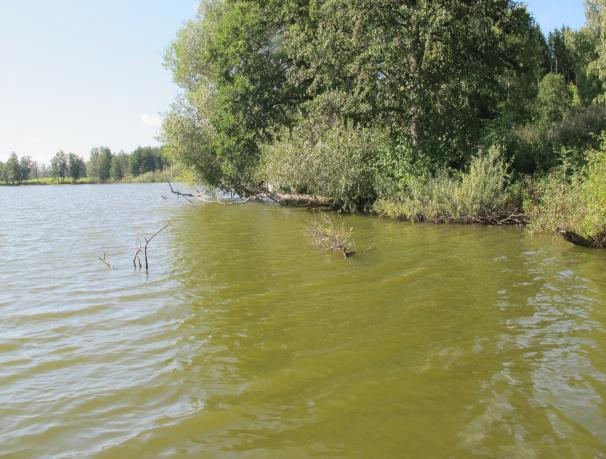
104,261
137,257
147,241
178,193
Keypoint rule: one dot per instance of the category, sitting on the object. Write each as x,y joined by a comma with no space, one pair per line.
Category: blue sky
81,73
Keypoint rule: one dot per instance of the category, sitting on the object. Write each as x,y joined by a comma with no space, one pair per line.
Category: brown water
442,341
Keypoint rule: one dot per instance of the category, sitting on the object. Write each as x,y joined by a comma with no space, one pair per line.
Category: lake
245,341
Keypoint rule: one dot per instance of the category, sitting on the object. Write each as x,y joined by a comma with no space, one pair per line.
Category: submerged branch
104,261
323,234
142,248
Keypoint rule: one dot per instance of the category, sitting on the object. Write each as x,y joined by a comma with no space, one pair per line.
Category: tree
595,11
59,166
562,59
12,169
100,163
117,167
76,167
35,171
233,66
25,167
582,48
554,98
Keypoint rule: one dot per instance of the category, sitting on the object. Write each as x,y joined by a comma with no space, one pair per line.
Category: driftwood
143,248
289,200
499,218
300,200
577,239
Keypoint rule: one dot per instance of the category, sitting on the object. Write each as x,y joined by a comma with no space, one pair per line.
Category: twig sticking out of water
104,261
143,248
137,257
323,233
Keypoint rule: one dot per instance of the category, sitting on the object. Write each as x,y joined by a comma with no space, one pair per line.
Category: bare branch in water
137,257
104,261
147,241
323,234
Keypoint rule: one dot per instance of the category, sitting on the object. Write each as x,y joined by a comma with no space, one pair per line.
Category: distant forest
103,166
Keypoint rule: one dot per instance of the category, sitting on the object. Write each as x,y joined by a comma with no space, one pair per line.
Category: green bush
337,162
593,193
540,146
555,203
573,202
478,195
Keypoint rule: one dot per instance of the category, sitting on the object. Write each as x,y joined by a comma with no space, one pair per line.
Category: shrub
593,193
478,195
574,203
541,146
555,203
336,162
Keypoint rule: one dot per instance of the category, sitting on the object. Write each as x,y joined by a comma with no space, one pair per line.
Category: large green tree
233,65
431,73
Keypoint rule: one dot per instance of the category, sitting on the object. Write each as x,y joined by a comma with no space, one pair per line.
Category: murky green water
442,341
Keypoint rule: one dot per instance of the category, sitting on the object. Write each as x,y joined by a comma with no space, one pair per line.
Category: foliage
336,161
593,194
382,104
427,74
59,166
575,202
76,167
478,195
104,165
231,63
118,166
99,164
554,98
554,202
15,170
596,19
142,160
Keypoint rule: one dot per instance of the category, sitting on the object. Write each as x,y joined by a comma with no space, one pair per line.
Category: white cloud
151,121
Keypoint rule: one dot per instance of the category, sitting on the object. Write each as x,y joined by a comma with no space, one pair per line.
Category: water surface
243,341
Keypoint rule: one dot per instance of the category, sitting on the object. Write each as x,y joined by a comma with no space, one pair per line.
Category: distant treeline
103,166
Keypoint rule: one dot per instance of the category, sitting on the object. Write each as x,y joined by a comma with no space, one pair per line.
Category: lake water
244,341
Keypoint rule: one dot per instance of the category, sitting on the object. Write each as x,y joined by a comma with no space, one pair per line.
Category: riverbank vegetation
426,111
143,165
